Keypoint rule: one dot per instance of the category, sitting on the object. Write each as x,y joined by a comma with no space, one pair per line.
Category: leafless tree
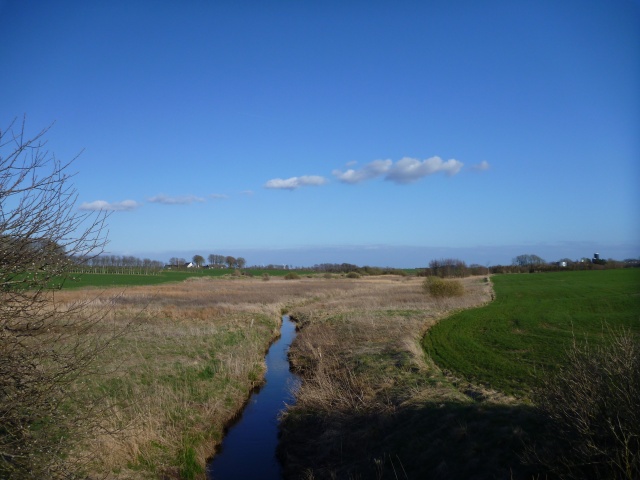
217,260
230,261
528,260
177,262
198,260
43,346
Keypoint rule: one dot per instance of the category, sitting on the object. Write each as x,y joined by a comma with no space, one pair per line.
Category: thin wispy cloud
101,205
218,196
180,200
295,182
404,171
483,165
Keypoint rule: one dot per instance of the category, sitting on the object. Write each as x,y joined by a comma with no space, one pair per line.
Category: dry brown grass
190,356
369,391
194,350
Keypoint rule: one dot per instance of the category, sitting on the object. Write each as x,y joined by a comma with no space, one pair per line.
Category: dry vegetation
190,356
372,405
591,412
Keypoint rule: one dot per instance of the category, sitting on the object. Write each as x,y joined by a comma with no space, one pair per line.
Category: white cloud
409,170
181,200
405,170
369,171
101,205
295,182
483,165
218,196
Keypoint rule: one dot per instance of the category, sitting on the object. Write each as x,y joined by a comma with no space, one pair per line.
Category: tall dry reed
368,386
190,357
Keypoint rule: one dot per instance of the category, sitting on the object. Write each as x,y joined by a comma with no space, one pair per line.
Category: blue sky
379,133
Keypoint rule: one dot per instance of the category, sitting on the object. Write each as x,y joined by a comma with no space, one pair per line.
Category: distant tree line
529,263
446,267
122,261
526,263
452,267
351,268
528,260
215,261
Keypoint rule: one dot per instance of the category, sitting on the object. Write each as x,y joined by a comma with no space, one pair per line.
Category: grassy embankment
374,406
190,355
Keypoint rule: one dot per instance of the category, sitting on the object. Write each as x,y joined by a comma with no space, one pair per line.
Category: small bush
266,277
592,412
439,288
353,275
292,276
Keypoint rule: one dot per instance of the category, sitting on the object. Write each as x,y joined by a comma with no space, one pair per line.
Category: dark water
249,448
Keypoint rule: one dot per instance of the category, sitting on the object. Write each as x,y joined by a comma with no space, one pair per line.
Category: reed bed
182,362
373,405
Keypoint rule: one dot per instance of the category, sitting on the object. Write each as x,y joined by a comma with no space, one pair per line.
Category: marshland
380,397
177,178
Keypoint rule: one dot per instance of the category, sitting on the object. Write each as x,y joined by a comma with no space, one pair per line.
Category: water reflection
249,448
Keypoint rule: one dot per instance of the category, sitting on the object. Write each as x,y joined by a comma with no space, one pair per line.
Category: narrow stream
249,448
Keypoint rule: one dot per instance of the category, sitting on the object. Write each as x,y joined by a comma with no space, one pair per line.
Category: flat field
531,322
184,359
125,277
372,404
192,351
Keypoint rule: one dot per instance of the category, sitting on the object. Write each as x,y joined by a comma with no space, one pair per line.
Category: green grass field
114,279
532,321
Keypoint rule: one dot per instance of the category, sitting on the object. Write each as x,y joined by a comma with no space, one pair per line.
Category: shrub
447,267
353,275
292,276
43,346
266,277
592,408
439,288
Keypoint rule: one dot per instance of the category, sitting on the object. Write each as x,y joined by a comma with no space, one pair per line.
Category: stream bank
249,447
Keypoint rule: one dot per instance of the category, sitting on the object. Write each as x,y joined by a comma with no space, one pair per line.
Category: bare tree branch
43,348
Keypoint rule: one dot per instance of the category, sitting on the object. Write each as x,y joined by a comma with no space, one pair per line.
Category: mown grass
532,321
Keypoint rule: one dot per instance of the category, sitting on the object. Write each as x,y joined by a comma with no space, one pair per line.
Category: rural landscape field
398,382
319,240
